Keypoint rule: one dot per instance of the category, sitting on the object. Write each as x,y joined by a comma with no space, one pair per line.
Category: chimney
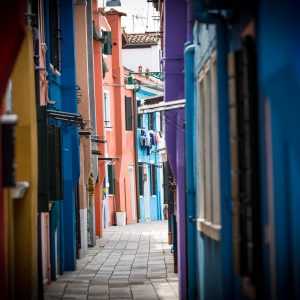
147,73
140,70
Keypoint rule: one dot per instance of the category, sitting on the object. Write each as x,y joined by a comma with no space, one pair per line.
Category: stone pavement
130,262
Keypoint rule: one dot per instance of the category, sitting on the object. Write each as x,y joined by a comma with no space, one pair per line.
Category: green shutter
111,179
42,159
128,113
107,47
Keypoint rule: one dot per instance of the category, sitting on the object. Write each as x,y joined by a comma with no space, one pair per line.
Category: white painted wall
146,57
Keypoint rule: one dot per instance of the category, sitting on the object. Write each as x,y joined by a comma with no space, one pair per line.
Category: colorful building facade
237,214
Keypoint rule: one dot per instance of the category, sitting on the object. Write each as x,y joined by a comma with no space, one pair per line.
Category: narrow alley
150,149
128,262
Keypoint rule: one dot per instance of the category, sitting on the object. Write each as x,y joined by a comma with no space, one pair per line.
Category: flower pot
121,218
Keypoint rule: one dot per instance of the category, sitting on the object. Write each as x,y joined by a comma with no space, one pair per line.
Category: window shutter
58,163
107,47
128,113
153,179
51,159
244,159
111,179
55,163
151,121
140,116
55,36
42,159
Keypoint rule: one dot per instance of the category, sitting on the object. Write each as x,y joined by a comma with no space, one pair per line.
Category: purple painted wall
175,37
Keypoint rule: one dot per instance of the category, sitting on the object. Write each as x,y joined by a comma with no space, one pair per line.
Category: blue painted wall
279,83
62,89
279,145
213,259
153,158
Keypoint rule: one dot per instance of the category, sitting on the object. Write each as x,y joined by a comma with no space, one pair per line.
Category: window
55,163
107,43
140,116
153,179
106,109
141,180
243,112
128,113
111,179
151,121
208,145
161,121
55,35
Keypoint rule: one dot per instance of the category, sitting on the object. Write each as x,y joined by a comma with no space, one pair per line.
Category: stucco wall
146,57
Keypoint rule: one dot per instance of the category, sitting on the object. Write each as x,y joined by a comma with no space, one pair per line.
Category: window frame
209,221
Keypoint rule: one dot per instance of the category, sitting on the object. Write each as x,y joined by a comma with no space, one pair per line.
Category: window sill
211,230
107,128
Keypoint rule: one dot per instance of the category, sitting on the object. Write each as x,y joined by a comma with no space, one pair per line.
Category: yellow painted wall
21,214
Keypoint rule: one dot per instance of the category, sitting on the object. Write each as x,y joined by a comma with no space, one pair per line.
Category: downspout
136,162
189,54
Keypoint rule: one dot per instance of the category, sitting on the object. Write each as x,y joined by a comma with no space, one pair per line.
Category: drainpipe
136,162
190,190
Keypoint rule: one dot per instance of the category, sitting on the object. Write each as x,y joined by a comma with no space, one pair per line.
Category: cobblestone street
130,262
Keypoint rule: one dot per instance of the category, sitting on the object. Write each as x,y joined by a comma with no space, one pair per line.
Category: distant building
142,49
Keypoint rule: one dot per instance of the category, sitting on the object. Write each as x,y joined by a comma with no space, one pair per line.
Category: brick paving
129,262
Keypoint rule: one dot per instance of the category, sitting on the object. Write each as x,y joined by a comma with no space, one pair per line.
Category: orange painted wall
120,143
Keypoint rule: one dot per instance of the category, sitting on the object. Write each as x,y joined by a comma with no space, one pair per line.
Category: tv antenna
137,18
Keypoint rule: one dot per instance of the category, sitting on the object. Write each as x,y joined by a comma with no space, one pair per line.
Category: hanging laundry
148,139
157,138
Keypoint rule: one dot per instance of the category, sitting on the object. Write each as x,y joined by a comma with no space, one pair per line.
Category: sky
139,16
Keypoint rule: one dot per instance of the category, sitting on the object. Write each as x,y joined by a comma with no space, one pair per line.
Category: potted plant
121,218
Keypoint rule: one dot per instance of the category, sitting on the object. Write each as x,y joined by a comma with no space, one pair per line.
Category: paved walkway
130,262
